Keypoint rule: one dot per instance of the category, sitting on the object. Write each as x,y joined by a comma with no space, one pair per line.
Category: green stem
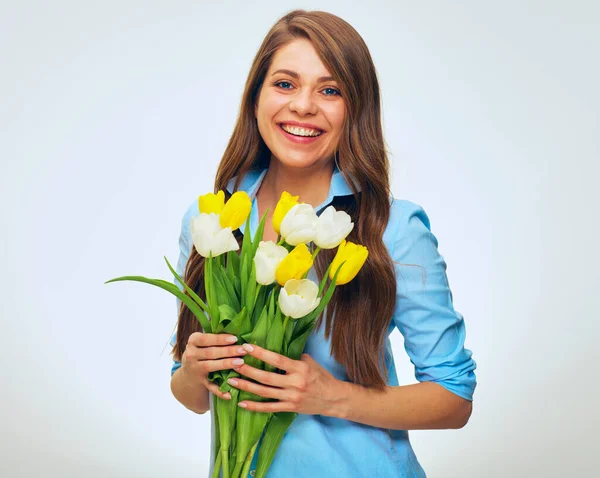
317,250
217,468
225,459
248,462
280,240
237,471
258,286
285,322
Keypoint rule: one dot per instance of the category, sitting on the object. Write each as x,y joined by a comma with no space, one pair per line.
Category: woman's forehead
299,59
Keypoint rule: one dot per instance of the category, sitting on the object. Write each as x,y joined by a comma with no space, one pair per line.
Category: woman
310,124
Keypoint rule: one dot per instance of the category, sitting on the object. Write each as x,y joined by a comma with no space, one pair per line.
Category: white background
113,118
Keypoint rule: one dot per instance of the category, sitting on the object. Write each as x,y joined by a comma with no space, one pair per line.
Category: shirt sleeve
185,248
434,333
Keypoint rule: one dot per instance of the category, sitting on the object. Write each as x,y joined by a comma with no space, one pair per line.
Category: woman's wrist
190,392
340,399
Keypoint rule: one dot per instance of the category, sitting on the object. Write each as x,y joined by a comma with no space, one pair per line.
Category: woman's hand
305,388
205,353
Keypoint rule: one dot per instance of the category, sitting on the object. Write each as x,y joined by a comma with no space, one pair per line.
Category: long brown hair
364,307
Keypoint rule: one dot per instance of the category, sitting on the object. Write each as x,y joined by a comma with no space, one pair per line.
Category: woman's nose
303,103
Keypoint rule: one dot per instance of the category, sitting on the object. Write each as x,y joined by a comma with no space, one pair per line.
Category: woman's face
300,112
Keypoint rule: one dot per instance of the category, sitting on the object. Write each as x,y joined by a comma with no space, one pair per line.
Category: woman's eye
282,83
335,92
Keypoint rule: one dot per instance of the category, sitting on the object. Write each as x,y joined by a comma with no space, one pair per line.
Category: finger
266,407
277,360
212,353
214,388
260,390
200,339
216,365
264,377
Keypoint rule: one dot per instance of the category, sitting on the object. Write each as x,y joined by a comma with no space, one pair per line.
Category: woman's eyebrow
293,74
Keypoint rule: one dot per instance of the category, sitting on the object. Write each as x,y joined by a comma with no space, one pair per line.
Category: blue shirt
434,335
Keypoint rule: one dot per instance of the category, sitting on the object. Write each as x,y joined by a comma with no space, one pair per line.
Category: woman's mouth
300,135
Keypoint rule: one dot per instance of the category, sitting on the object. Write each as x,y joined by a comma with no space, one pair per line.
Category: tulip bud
236,210
298,298
299,225
294,265
355,256
211,203
268,257
332,228
286,202
209,237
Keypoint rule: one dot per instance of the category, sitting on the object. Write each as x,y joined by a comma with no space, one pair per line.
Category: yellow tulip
286,202
355,256
211,203
236,210
294,265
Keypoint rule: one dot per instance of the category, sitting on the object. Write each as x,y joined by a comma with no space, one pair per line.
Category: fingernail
242,404
231,339
248,347
237,361
232,381
227,396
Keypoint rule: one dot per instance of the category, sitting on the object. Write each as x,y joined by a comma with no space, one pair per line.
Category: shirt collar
253,179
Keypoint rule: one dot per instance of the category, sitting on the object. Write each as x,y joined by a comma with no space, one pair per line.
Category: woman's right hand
205,353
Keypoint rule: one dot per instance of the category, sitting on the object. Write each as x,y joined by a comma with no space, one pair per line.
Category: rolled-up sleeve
185,248
434,333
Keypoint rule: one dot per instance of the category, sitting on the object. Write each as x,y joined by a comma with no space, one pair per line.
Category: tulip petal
210,238
298,298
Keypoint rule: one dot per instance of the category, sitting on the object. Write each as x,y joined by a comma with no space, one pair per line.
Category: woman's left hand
305,388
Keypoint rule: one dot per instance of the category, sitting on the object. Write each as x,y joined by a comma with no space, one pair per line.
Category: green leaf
250,426
244,278
276,428
274,339
237,284
233,264
239,325
251,291
192,294
324,280
296,347
261,297
219,289
227,314
259,334
289,331
173,289
228,283
259,233
247,240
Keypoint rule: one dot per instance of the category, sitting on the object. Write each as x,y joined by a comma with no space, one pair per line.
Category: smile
301,132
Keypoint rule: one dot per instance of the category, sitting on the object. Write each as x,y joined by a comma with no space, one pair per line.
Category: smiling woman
310,125
300,104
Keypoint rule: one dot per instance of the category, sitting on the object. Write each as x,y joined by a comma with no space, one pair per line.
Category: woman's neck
312,185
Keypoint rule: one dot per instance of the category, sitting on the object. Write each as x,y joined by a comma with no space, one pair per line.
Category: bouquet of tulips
261,295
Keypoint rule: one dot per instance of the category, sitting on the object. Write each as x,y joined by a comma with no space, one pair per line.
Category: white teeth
295,130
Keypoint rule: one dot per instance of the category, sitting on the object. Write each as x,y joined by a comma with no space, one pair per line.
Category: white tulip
208,236
299,226
298,298
267,259
332,228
